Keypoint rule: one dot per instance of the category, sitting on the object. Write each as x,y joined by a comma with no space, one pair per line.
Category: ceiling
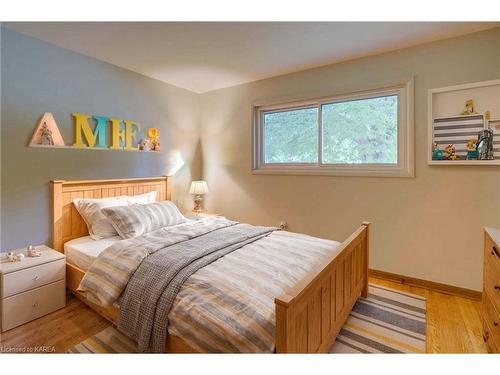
204,56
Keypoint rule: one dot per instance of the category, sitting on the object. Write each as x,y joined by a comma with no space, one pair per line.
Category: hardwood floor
453,325
57,331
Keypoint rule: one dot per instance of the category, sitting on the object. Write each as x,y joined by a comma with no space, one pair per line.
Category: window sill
349,171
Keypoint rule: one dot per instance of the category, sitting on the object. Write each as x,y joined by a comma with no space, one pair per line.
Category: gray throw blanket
152,289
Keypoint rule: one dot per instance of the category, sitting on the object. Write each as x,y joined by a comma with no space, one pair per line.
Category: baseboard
438,287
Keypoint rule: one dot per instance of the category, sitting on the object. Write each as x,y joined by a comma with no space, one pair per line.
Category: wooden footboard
310,315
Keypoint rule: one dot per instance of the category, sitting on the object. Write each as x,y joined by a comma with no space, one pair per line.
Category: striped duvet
228,306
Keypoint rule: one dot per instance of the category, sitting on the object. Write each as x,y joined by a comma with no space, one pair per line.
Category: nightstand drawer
34,277
33,304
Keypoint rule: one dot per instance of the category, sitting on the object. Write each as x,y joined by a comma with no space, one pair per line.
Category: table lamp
198,188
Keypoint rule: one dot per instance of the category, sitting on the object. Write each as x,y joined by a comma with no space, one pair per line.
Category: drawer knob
497,287
36,278
495,324
35,304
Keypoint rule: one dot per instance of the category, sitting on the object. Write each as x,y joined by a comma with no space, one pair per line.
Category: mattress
82,251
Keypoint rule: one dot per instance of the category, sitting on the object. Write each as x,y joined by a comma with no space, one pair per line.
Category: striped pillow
138,219
90,210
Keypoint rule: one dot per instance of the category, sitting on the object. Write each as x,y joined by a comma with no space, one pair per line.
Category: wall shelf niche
444,106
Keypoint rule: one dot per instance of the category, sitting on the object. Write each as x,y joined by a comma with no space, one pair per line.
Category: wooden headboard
67,222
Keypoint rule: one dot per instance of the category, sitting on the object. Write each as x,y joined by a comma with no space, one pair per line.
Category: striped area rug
388,321
109,340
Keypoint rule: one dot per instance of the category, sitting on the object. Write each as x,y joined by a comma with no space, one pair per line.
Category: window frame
403,168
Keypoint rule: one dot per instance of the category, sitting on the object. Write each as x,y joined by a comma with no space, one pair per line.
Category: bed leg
364,291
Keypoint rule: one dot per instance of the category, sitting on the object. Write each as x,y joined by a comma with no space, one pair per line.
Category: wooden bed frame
308,317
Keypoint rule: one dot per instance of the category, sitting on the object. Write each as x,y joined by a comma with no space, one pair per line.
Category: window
369,133
291,136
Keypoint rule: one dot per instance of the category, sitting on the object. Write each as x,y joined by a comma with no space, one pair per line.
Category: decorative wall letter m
96,138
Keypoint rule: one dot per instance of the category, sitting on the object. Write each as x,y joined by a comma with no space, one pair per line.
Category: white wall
428,227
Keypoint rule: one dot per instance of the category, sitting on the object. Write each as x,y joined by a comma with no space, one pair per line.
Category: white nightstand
32,287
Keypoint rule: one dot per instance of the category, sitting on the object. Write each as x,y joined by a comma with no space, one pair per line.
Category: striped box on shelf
494,124
496,143
457,130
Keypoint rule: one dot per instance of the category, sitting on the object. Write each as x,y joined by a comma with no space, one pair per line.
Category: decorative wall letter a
46,132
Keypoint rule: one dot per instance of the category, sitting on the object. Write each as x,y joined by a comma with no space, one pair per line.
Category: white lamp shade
198,187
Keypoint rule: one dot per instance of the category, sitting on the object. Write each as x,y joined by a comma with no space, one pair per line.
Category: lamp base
198,204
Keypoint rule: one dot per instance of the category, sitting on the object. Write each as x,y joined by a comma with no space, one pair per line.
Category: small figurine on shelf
154,136
437,153
450,152
485,145
469,108
33,252
152,142
146,145
46,135
472,149
11,257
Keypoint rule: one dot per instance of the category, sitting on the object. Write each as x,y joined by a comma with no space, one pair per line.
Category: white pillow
90,209
141,198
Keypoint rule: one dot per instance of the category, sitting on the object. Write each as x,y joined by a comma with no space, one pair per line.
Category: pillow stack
98,224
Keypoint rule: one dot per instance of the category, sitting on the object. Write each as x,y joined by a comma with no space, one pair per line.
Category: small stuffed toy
154,136
472,145
152,142
437,153
450,153
472,149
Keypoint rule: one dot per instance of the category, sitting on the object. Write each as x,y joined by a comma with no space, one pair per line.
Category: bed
307,315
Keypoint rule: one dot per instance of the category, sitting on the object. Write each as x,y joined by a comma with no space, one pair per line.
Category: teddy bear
450,153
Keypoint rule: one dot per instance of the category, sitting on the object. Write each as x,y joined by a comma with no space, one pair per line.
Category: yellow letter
82,126
130,134
117,135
